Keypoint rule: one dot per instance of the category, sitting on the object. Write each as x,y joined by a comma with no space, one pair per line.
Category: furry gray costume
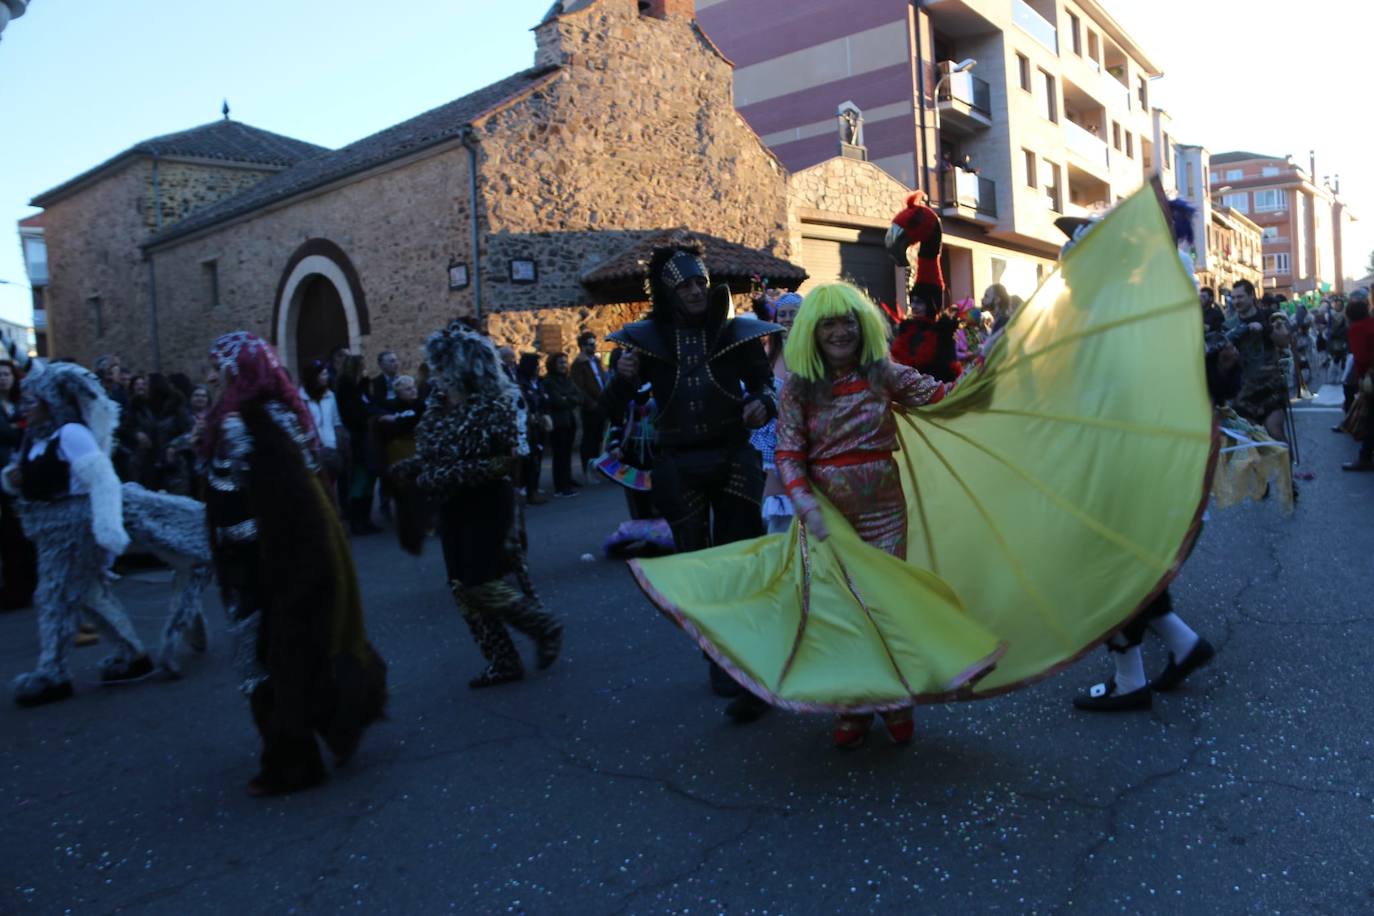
172,528
75,534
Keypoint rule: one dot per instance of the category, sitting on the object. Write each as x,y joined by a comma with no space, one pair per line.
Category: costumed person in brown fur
285,572
465,454
925,340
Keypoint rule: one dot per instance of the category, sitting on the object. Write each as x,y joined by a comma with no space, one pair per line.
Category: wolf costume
71,507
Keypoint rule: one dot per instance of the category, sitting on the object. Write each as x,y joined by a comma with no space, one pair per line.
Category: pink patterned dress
843,447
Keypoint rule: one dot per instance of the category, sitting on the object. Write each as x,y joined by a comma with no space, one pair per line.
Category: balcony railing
968,191
1117,93
1035,25
969,89
1086,144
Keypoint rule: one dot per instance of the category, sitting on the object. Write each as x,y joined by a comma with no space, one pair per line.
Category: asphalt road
611,783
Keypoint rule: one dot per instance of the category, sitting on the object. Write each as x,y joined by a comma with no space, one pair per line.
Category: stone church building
530,203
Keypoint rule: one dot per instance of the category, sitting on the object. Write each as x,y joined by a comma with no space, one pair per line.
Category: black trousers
710,496
562,443
593,429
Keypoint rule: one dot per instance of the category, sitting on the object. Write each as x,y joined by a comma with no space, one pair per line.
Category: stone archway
319,305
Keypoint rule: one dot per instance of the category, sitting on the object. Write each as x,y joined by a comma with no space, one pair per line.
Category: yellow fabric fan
1050,496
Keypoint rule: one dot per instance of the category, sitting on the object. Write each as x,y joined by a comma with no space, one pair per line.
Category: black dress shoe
1104,698
51,693
745,708
1173,674
722,684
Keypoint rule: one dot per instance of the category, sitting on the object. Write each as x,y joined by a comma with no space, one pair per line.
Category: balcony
1087,146
969,196
1116,94
965,103
1035,25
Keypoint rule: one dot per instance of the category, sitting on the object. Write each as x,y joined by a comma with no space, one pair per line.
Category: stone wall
93,249
184,187
93,237
639,133
399,228
843,190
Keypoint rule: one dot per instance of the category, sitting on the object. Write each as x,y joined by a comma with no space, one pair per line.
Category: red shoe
900,727
852,731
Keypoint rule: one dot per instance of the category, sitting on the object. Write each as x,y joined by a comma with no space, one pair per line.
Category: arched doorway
321,323
319,305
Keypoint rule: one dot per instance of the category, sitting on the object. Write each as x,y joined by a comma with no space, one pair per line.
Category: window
1049,180
1130,145
97,315
1270,171
1093,54
1116,136
1235,174
1240,202
1030,168
1051,98
210,269
1023,65
1166,155
1075,35
1277,263
1270,200
1269,232
1213,177
1143,93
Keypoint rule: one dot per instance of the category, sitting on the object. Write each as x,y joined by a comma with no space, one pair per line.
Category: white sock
1130,669
1180,637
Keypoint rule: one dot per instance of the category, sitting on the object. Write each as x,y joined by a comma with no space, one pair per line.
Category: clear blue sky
83,81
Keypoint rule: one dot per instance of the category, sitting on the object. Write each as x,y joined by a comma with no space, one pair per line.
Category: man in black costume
710,377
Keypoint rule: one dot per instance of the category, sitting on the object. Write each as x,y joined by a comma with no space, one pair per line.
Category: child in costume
465,452
285,573
70,505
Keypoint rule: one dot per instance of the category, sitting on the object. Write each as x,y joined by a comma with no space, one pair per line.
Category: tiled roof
562,7
433,127
726,261
223,140
1240,156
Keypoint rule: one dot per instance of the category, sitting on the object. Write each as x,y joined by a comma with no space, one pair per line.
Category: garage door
863,262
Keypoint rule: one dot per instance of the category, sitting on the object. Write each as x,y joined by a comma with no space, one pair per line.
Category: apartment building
35,247
1009,113
1227,244
1303,222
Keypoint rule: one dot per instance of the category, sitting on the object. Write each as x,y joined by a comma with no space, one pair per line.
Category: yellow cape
1050,497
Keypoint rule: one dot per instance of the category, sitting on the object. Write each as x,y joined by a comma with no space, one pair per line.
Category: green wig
833,300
